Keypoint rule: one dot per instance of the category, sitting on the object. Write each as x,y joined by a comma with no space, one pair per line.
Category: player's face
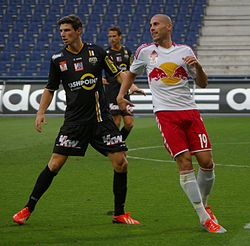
160,29
68,34
114,38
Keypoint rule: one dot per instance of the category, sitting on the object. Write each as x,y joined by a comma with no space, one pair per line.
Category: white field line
172,161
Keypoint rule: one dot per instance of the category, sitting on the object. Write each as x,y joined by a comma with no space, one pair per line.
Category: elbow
204,84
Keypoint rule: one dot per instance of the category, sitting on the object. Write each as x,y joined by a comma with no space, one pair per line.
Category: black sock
42,184
125,133
120,191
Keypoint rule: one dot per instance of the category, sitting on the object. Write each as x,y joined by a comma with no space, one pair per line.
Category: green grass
74,210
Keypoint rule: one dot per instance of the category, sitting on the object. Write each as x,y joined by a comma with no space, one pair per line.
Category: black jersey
81,77
123,59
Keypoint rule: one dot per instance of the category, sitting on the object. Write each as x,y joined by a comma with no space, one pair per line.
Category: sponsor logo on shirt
153,57
111,65
123,67
87,82
118,58
168,73
57,56
93,60
63,66
78,66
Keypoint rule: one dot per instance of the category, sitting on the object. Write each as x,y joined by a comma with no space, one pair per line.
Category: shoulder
144,48
57,55
126,49
95,48
182,46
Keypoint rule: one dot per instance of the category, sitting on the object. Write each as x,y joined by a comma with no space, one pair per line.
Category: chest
120,58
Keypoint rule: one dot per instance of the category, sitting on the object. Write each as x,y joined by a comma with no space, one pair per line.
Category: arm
133,89
127,81
201,76
46,99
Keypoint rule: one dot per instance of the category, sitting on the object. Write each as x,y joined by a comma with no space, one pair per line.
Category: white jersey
167,75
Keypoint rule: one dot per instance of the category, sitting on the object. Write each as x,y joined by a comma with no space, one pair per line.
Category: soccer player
168,67
122,57
87,119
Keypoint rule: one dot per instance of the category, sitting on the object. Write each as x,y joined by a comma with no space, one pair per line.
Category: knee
184,162
121,166
207,164
129,126
56,162
205,160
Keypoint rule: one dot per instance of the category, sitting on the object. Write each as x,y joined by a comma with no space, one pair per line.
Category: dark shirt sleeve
54,76
109,66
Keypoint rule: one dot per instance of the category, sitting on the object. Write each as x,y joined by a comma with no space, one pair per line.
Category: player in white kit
168,67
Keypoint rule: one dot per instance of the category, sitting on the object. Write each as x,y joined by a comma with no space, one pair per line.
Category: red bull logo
169,73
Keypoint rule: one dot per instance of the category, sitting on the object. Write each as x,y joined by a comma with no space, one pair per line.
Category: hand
136,90
40,119
191,61
124,105
104,81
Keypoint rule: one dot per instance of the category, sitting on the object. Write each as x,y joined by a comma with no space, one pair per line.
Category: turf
75,210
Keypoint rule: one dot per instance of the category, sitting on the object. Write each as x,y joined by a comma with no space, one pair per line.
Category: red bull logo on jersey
169,73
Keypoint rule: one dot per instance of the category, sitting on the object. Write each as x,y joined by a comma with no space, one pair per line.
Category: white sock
205,180
189,185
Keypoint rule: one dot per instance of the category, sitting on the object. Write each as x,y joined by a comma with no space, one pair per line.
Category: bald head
163,18
161,29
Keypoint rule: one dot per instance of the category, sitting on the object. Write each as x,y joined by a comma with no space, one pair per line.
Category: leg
117,120
189,184
120,164
128,125
205,177
45,179
42,184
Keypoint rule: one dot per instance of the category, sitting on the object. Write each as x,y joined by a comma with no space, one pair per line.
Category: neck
116,47
75,47
166,44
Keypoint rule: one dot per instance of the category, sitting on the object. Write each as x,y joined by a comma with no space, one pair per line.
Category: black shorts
105,137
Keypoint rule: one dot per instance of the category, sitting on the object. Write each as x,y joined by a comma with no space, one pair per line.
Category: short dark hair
115,29
74,20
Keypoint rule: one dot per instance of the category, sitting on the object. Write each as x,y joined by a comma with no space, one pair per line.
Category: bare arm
201,76
46,99
133,89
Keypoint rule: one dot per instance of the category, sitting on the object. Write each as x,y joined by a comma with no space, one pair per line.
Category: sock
205,180
125,133
42,184
189,185
120,191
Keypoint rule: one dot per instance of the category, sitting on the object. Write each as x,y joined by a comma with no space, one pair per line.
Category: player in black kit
87,119
122,57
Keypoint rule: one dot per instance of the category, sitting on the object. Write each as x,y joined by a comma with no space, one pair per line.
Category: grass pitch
74,211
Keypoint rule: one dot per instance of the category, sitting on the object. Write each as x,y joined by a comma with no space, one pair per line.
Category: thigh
107,138
197,135
128,120
172,131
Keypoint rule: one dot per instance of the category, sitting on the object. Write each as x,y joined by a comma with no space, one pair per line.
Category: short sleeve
54,77
138,66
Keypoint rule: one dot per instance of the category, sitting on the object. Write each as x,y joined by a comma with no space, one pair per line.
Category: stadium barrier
222,97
